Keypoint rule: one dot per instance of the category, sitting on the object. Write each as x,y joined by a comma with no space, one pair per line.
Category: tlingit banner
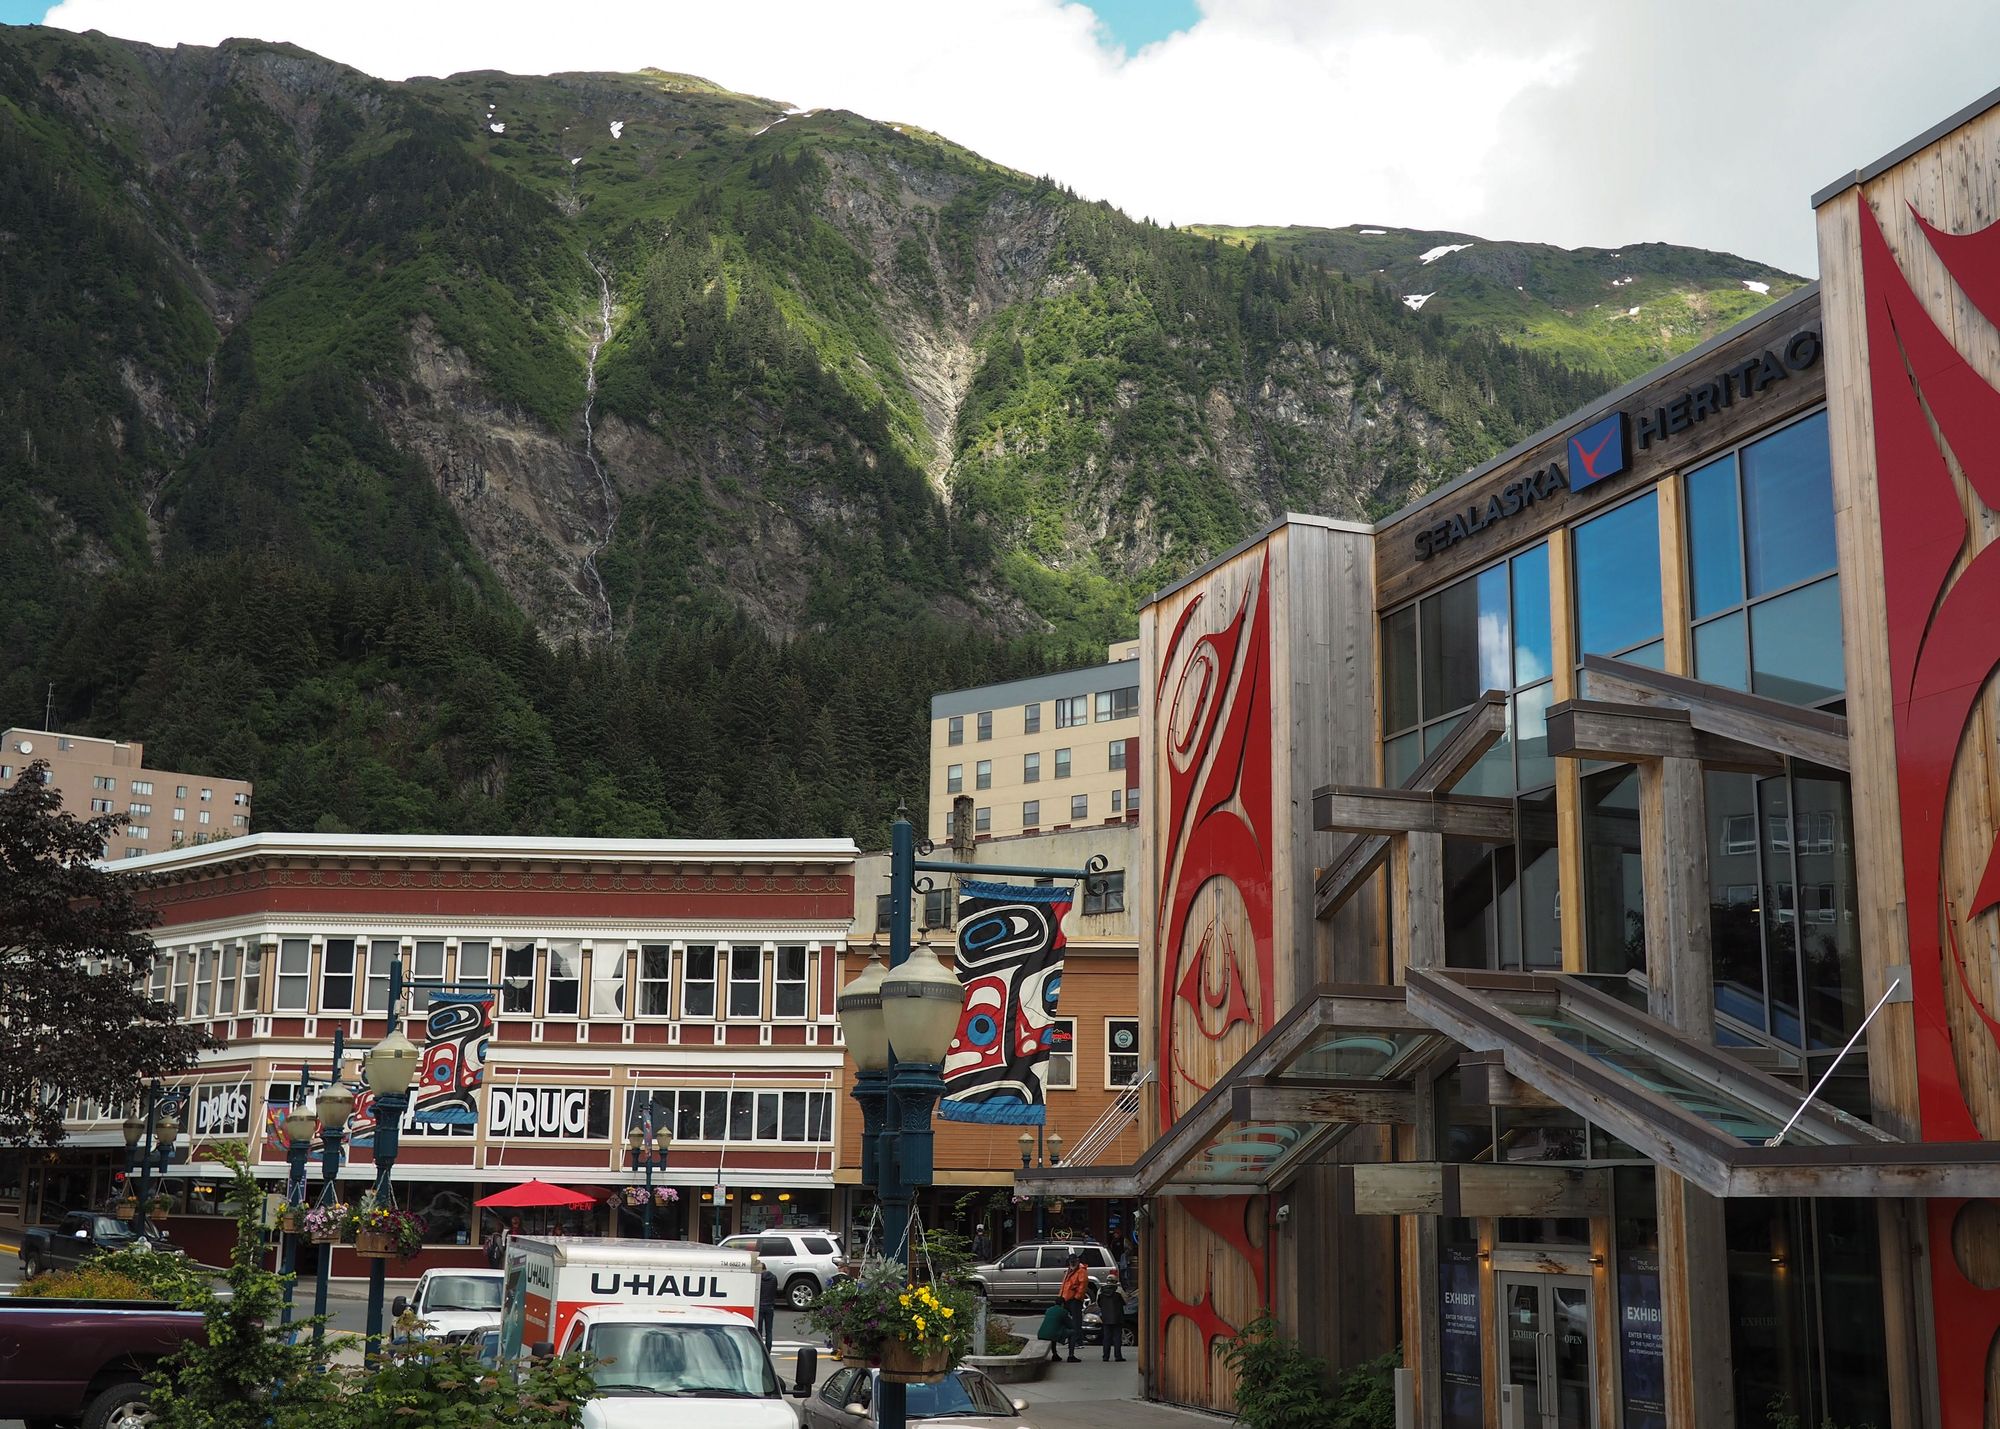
1010,961
457,1027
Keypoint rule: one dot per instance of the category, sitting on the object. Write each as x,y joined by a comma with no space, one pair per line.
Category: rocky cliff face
622,350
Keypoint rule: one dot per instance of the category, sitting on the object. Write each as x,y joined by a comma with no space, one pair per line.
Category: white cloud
1684,121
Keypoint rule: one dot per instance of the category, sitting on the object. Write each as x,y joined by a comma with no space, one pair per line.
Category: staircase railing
1110,1124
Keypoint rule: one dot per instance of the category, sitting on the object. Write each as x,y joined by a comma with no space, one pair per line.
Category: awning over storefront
1686,1106
1346,1056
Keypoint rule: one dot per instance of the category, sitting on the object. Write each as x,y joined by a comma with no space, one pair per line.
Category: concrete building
161,808
1094,1088
1052,752
1569,939
694,977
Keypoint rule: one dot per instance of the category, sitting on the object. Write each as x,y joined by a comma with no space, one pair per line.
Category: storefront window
1614,907
445,1206
1761,560
1490,631
1617,558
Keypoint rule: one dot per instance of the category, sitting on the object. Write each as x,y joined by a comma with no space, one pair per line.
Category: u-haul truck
666,1319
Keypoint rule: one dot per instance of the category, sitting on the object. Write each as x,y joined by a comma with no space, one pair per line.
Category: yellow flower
947,1312
904,1301
920,1324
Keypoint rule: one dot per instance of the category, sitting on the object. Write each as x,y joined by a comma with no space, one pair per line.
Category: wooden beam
1597,729
1409,1188
1748,719
1348,874
1477,730
1694,1303
1416,909
1487,1082
1084,1183
1355,1103
1341,808
1680,969
1533,1192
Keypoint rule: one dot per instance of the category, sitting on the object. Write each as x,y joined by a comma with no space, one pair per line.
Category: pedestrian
1075,1291
1111,1317
767,1305
1125,1263
981,1249
1055,1328
496,1246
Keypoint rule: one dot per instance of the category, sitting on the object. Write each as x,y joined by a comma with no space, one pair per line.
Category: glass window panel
1534,657
426,968
336,981
1493,775
746,982
1618,578
517,992
294,959
1788,506
607,980
1400,757
565,979
1734,929
656,962
742,1115
1496,629
714,1116
253,976
789,982
1721,653
1614,888
1399,670
1541,909
1715,538
1850,1311
1829,946
1780,908
225,994
475,960
793,1126
767,1116
204,982
381,953
1694,1094
687,1116
1534,767
1470,936
1653,657
698,981
1795,645
1450,624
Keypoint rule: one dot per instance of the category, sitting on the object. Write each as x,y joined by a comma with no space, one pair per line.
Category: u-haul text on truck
548,1281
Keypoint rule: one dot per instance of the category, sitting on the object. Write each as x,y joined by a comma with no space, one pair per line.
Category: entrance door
1549,1344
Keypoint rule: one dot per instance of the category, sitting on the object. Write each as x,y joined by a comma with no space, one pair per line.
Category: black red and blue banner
1010,963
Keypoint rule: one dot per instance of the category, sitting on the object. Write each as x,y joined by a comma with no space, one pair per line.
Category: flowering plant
662,1195
328,1220
405,1229
880,1305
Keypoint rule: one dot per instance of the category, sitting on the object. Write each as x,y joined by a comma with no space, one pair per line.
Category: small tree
243,1373
75,1019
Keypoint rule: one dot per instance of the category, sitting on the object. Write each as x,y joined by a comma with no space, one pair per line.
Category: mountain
1622,311
428,451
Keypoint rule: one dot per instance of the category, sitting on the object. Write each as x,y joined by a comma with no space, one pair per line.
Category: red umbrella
535,1193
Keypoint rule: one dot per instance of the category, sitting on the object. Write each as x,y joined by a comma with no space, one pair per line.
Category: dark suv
1032,1273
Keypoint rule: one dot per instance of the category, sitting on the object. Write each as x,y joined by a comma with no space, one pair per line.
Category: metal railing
1110,1124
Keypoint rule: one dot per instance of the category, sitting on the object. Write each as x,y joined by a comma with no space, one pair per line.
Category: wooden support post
1406,1399
1694,1304
1679,959
1417,870
1425,1353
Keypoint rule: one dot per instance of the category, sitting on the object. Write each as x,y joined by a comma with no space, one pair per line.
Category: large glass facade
1782,905
1614,908
1762,590
1617,565
1490,631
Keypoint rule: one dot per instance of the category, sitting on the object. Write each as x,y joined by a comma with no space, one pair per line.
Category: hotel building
159,809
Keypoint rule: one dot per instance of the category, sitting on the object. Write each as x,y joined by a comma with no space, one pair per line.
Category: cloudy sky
1607,124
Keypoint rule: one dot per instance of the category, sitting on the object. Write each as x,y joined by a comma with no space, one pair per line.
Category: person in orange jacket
1075,1290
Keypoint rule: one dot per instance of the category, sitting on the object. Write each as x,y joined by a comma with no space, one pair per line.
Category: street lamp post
389,1068
298,1127
1035,1153
335,1104
149,1147
649,1162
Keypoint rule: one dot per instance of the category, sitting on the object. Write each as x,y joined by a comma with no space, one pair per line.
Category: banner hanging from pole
1010,963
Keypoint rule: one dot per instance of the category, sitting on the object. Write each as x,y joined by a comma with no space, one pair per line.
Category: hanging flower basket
375,1245
126,1210
902,1364
326,1224
855,1356
292,1221
382,1231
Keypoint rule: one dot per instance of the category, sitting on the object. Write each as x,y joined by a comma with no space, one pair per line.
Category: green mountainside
1622,310
614,453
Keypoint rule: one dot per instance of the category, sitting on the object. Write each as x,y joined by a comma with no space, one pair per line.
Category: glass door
1548,1335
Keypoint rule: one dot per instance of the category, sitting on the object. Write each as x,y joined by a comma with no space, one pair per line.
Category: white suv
805,1262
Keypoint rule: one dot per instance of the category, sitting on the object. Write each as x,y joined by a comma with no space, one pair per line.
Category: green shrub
1282,1385
95,1281
446,1387
162,1277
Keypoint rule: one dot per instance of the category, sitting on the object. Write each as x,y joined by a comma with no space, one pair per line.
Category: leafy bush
1282,1385
880,1305
163,1277
446,1387
95,1281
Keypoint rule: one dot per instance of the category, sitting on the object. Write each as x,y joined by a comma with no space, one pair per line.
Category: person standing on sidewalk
767,1305
1055,1329
1111,1316
1075,1290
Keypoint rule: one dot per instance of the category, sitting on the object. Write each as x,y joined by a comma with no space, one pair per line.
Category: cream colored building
1051,752
162,808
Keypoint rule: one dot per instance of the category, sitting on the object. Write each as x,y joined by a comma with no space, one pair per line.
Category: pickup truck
453,1304
86,1361
82,1234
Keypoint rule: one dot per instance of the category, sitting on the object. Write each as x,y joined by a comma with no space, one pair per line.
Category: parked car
1032,1273
1093,1325
489,1347
963,1397
79,1235
85,1362
805,1262
453,1304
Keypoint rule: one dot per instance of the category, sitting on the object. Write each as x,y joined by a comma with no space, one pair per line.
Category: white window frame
1735,839
1111,1082
610,981
229,961
982,819
982,774
954,779
512,983
803,982
142,786
1031,813
475,961
1060,1058
1072,711
204,982
381,953
664,983
421,950
1065,763
570,950
326,973
183,973
717,954
1031,718
1117,753
982,725
1079,807
285,973
755,952
954,730
1031,768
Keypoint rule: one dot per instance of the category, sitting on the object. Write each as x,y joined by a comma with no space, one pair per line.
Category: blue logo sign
1597,451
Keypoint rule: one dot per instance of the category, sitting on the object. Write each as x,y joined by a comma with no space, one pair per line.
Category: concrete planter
1023,1368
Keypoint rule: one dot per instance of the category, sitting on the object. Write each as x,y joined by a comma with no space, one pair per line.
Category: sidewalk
1094,1395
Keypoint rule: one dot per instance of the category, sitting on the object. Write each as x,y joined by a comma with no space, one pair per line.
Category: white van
672,1320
